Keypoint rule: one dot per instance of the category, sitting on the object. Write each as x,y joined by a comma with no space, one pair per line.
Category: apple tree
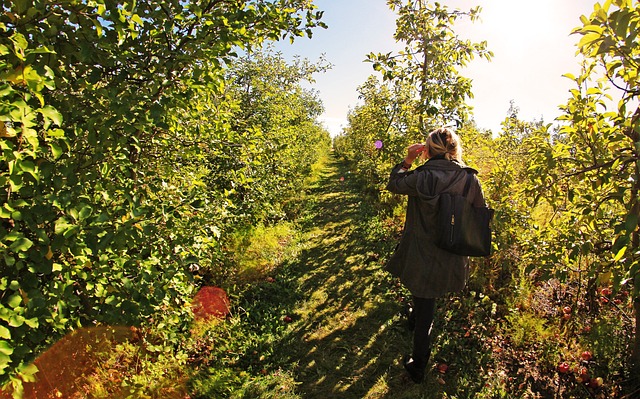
431,60
379,130
590,171
94,198
276,120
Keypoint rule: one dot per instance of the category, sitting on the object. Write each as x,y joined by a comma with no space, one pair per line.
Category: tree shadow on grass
345,307
348,335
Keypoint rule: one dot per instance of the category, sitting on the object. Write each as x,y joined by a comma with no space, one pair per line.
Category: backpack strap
467,185
431,183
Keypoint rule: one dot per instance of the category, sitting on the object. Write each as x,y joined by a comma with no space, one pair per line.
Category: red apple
563,367
566,309
586,356
606,291
442,368
596,382
288,319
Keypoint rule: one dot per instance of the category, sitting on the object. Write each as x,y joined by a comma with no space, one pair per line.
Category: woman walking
427,271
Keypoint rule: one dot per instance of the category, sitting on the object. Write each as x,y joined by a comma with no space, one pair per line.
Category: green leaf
622,23
33,322
21,6
16,182
587,40
40,50
5,333
28,372
21,245
5,348
56,150
85,212
98,26
16,321
73,229
620,254
29,167
14,301
4,362
55,133
51,113
61,225
9,260
136,18
32,136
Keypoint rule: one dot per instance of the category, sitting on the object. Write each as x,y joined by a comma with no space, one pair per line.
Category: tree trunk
635,245
635,353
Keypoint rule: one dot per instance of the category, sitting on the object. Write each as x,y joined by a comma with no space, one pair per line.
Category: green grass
260,249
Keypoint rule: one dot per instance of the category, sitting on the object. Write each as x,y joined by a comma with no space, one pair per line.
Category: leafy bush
526,329
114,125
258,250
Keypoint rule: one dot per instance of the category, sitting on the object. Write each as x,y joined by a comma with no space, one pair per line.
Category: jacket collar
441,163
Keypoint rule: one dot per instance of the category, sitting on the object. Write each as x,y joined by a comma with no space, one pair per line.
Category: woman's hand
413,151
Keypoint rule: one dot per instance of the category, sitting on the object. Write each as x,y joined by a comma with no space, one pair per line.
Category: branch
598,166
630,132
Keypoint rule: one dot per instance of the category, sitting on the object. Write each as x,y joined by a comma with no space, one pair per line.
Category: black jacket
426,270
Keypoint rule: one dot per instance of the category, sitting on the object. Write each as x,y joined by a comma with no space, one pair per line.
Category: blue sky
531,42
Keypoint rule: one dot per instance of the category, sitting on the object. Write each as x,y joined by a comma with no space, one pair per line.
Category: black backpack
464,229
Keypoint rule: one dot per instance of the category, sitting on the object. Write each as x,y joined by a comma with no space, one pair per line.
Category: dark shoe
416,373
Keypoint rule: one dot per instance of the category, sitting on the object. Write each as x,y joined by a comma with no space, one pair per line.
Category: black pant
423,312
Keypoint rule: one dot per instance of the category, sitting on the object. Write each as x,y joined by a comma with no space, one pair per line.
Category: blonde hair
445,142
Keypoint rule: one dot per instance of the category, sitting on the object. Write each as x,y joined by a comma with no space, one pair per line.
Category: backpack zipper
453,223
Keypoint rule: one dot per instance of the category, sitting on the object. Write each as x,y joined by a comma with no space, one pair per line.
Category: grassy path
345,340
348,336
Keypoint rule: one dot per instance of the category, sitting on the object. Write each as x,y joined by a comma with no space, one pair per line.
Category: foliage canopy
124,156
